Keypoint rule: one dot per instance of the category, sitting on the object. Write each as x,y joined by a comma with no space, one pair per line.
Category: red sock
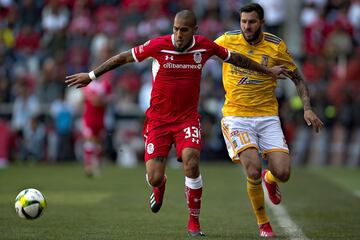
193,199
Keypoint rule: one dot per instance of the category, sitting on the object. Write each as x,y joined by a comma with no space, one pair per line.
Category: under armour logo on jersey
265,60
195,140
169,57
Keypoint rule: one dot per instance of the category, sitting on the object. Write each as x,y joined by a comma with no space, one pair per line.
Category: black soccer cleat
156,197
154,206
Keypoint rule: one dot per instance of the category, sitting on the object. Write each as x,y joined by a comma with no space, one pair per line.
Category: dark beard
183,48
255,37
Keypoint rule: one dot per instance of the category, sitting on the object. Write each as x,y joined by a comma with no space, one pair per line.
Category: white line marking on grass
285,222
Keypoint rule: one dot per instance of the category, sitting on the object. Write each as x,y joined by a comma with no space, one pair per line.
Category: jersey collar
173,42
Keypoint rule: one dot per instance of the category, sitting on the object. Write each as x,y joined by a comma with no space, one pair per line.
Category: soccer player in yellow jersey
250,121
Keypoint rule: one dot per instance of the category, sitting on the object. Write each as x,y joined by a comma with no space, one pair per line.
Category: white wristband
92,75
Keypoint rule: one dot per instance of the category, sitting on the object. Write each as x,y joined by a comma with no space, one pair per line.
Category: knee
283,175
254,173
155,180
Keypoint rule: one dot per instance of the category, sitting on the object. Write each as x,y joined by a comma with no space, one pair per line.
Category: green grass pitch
324,203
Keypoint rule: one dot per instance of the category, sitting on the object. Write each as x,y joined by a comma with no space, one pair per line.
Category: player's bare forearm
113,62
302,89
310,117
242,61
83,79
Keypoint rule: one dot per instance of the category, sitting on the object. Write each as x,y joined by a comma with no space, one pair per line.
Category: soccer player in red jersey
172,117
96,97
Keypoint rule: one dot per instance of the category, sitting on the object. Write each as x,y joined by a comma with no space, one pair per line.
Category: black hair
253,7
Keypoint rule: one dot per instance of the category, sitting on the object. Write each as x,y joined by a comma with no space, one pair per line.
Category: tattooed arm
303,91
242,61
83,79
113,62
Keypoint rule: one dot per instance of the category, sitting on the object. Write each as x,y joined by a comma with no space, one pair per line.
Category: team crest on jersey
197,57
150,148
265,60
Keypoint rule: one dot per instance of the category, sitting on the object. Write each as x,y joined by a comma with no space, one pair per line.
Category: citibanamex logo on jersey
197,57
182,66
150,148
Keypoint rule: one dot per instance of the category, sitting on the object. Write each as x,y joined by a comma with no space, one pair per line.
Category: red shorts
159,137
89,131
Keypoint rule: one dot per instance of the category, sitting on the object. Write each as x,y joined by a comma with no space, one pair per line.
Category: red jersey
176,75
95,98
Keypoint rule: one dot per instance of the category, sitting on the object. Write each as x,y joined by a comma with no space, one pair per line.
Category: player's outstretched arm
242,61
83,79
310,117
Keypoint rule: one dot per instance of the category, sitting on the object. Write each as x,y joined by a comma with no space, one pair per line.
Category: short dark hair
187,14
253,7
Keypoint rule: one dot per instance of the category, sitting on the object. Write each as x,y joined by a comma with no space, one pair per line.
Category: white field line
291,229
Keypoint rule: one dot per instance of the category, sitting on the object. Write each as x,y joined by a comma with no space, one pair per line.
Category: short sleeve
220,51
220,40
285,58
143,51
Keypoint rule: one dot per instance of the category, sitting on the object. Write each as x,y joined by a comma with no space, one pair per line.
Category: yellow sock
256,196
270,178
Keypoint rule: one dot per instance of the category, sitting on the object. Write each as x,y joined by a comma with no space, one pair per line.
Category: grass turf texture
321,201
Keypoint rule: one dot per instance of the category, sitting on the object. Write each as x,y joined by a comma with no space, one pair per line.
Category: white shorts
263,133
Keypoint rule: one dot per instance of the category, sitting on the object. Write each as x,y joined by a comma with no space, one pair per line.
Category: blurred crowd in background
42,41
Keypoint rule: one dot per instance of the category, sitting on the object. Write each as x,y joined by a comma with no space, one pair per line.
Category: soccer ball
30,203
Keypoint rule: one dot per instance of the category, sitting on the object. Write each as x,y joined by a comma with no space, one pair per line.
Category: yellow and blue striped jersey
250,93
